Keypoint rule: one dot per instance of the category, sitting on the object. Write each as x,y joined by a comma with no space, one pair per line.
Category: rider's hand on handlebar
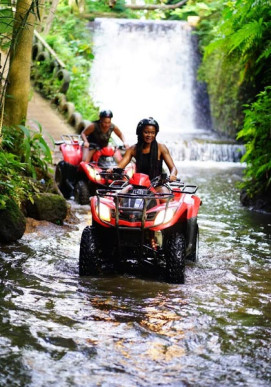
172,177
109,170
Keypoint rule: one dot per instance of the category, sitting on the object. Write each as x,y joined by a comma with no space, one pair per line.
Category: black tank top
146,164
98,137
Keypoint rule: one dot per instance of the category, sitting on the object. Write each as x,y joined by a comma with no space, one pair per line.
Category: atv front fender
191,236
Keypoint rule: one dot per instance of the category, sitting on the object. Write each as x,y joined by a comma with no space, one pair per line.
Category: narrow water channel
58,329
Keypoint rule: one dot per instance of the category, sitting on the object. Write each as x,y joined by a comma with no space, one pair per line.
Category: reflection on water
61,330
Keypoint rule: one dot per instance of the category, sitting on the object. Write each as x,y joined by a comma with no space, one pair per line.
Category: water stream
58,329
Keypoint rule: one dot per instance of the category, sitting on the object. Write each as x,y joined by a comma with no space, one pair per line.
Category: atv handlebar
77,139
115,174
163,179
93,145
174,186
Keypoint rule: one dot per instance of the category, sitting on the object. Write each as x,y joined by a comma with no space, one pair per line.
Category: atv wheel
60,180
195,254
175,257
89,253
108,246
81,192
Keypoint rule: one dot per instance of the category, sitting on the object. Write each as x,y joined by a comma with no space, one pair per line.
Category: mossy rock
12,222
48,206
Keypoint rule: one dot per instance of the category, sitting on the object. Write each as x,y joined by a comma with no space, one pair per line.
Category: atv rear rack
70,139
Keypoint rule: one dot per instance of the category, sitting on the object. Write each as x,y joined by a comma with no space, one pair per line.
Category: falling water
143,69
147,68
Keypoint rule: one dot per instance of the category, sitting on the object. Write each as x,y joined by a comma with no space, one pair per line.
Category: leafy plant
45,79
244,29
236,43
102,7
256,133
13,180
20,173
36,153
71,39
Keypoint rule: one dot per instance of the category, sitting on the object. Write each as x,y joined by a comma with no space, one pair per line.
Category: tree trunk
18,88
78,5
48,18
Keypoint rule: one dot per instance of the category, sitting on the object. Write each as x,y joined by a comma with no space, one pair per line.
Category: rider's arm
127,157
121,136
89,129
165,155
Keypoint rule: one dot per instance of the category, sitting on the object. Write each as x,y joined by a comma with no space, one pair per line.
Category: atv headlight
98,177
130,172
164,216
92,173
103,212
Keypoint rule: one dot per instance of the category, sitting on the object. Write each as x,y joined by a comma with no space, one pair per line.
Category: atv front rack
136,213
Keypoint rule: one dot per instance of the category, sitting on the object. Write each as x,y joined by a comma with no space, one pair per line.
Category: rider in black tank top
146,163
149,154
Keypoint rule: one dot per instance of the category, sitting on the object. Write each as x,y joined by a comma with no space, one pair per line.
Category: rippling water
58,329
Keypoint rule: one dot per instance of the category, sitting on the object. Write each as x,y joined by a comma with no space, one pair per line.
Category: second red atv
78,179
131,221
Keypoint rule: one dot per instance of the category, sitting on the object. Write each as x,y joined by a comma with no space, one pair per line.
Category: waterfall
147,68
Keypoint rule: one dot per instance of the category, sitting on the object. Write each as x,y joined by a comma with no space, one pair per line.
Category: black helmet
106,113
145,122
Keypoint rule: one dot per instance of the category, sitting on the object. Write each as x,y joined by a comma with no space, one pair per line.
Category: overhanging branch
151,7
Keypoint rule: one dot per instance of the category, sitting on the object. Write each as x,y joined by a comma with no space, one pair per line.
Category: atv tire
89,260
108,247
61,181
81,192
175,257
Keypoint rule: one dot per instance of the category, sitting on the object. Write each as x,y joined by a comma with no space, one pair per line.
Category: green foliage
13,182
201,9
244,29
36,154
19,173
6,25
236,66
241,39
222,75
45,79
256,133
71,39
102,6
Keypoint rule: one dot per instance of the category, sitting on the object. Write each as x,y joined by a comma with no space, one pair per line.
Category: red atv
78,179
132,222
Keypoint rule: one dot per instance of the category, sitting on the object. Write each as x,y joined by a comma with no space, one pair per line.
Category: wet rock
32,225
48,206
71,218
12,223
260,202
